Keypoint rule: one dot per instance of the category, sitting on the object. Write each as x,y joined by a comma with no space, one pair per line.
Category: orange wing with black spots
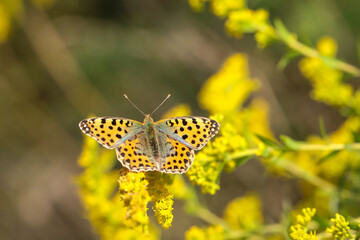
179,157
110,131
194,132
132,156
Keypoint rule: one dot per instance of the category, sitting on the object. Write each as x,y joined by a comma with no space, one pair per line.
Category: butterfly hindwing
110,131
179,157
194,132
131,155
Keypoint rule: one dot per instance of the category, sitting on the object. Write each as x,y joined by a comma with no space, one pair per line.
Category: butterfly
167,145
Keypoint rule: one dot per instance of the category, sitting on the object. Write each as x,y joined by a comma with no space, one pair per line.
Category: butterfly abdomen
150,133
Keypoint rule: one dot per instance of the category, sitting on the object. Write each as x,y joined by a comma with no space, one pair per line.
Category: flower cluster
244,213
340,228
137,190
210,233
177,111
241,19
160,195
231,85
299,231
326,80
133,192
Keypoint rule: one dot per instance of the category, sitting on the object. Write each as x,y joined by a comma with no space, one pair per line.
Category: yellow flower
222,7
248,21
133,193
226,90
179,188
210,233
255,119
163,200
265,36
327,46
177,111
299,230
197,5
244,213
327,81
340,228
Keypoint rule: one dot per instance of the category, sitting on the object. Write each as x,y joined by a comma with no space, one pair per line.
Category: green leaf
283,32
356,137
291,143
284,61
242,160
268,141
327,156
322,130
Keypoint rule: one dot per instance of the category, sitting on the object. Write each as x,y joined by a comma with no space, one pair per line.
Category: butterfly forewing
131,155
179,157
194,132
110,131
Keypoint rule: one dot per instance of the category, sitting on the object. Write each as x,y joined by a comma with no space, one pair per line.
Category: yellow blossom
327,46
299,230
248,21
210,233
197,5
244,213
163,200
177,111
226,90
340,228
222,7
133,192
327,81
179,188
265,36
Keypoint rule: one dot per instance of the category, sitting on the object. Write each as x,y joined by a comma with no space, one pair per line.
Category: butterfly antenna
133,104
161,103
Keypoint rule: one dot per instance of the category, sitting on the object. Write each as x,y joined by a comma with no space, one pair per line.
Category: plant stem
210,217
292,42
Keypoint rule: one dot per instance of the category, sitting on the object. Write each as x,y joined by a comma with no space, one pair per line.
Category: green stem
210,218
299,172
269,229
292,42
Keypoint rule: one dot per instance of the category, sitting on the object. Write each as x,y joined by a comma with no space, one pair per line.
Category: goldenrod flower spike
163,200
299,231
244,213
133,192
340,228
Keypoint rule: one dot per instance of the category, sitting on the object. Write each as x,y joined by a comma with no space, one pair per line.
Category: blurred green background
61,61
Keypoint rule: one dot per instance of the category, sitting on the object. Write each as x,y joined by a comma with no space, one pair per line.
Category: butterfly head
147,116
148,119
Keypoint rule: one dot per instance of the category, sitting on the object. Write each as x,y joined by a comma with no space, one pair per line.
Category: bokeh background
61,61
